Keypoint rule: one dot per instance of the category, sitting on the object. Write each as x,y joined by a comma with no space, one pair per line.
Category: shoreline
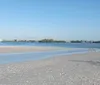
23,49
19,49
17,57
76,69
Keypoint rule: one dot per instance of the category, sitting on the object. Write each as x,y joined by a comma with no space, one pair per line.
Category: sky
57,19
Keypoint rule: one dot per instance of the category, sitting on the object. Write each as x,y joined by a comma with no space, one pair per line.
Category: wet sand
76,69
17,49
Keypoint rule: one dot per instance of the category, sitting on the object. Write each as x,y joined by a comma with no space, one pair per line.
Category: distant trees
46,40
81,41
51,41
96,41
77,41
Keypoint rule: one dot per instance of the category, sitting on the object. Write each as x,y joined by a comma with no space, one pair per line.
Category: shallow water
66,45
21,57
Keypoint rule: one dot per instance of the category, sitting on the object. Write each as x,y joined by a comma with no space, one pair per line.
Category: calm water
68,45
21,57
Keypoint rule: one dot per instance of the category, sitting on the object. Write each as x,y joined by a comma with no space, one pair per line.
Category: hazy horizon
55,19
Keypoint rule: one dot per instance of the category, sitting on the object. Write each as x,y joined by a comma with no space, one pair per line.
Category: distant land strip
50,41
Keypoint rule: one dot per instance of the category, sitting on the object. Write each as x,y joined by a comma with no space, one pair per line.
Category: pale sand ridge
17,49
12,49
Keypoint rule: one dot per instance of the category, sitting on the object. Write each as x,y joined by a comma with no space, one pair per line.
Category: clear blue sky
58,19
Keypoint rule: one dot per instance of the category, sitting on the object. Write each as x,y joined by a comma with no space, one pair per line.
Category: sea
6,58
66,45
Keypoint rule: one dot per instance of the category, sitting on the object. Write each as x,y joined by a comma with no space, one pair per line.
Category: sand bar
16,49
77,69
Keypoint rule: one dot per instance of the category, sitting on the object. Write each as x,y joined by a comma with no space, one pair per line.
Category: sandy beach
76,69
23,49
17,49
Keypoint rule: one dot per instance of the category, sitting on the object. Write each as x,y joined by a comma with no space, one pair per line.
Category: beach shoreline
26,49
76,69
19,49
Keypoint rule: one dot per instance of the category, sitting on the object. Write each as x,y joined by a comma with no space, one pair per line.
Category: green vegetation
51,41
